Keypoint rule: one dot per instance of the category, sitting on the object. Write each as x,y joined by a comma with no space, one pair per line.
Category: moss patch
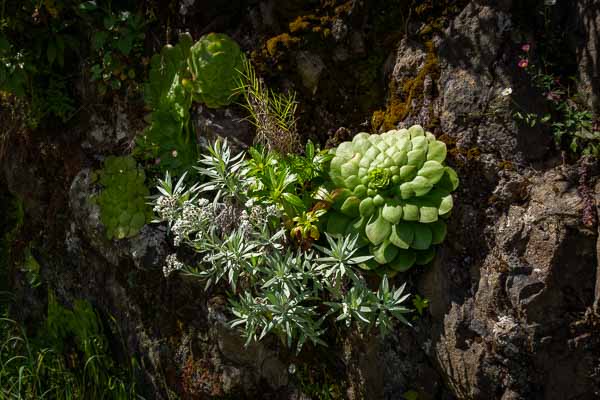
406,96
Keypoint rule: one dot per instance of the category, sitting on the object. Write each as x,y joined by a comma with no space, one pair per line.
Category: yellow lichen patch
449,140
400,103
473,154
345,8
280,43
302,23
506,165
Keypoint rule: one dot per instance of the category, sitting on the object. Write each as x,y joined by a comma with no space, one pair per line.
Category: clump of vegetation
43,44
392,190
68,358
242,242
214,63
569,119
123,197
116,48
169,142
206,71
273,114
551,67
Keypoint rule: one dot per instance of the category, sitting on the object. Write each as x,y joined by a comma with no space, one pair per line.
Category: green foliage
273,114
551,64
226,175
169,141
317,383
116,46
576,128
306,226
44,43
36,43
289,183
420,303
68,358
214,63
393,191
123,198
241,241
31,268
164,90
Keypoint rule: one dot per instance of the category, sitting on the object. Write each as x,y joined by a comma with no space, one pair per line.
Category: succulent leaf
404,260
385,253
378,230
402,235
337,223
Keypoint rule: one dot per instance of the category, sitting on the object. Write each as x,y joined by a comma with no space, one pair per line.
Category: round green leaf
385,252
446,205
424,256
432,170
366,207
403,261
393,213
378,230
350,206
423,237
402,235
428,214
438,230
337,223
410,212
436,151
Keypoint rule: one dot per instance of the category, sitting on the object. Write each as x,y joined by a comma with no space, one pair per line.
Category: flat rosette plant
394,191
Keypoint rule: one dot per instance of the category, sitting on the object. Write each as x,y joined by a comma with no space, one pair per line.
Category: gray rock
585,38
310,67
145,250
225,123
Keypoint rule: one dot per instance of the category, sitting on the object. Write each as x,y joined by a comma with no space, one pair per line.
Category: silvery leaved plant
241,235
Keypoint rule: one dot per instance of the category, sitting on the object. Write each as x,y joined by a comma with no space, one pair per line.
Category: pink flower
526,47
553,96
523,63
157,161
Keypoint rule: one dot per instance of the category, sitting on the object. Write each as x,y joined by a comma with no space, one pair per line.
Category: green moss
401,102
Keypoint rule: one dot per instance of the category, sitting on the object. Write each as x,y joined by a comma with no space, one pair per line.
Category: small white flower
507,92
292,369
174,153
171,265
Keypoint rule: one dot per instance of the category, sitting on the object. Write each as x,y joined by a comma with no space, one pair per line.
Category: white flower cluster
167,207
172,264
194,219
256,217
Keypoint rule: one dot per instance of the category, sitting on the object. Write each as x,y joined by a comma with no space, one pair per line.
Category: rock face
586,39
514,292
531,302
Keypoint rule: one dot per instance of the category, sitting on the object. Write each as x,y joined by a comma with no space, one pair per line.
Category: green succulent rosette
122,200
394,191
215,62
